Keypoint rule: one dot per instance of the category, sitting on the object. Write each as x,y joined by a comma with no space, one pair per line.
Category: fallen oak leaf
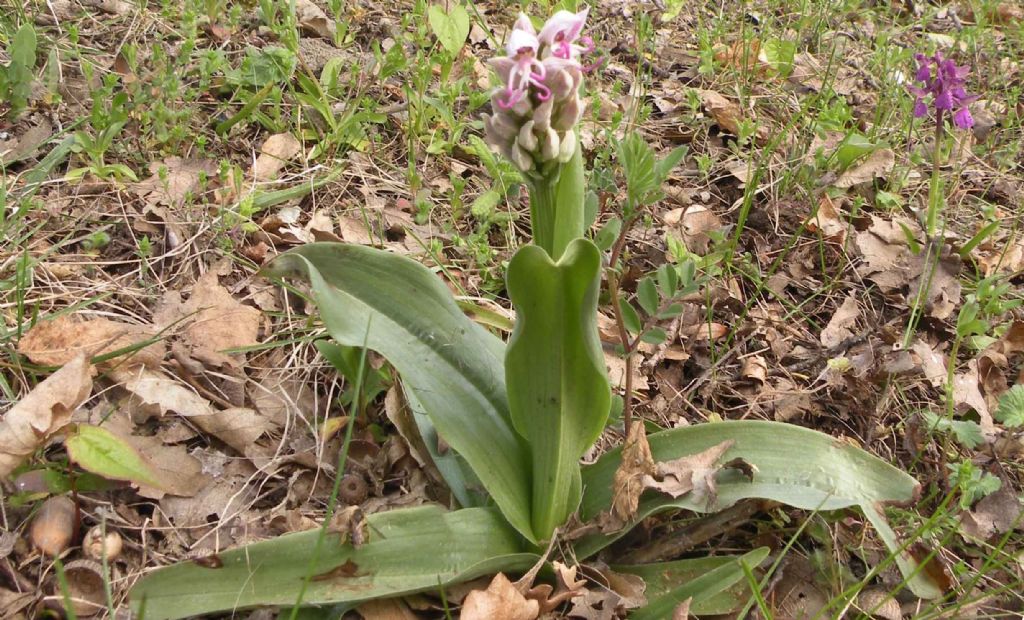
500,601
276,151
44,411
694,473
56,341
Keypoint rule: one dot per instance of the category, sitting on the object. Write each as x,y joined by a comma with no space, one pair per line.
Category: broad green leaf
1011,407
484,204
558,389
853,147
451,366
23,48
647,295
451,28
630,317
101,452
605,238
407,550
708,581
796,466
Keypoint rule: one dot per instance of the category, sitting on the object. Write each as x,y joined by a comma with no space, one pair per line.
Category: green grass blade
408,550
451,366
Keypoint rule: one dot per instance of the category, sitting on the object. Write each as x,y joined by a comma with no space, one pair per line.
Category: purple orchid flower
538,106
944,80
561,32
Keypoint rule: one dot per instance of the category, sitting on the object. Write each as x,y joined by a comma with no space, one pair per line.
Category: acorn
54,525
352,489
97,545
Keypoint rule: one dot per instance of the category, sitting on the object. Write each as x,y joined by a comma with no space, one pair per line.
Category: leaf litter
239,435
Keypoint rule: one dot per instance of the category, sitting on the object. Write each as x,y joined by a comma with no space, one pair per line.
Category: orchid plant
517,416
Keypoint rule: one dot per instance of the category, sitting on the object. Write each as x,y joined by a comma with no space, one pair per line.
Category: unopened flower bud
521,158
567,147
549,145
569,113
526,138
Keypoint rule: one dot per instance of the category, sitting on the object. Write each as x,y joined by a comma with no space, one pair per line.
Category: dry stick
704,529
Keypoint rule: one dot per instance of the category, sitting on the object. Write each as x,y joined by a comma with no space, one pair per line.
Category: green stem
557,206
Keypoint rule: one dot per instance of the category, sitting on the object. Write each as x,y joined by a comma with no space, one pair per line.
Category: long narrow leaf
702,588
796,466
665,578
408,550
558,386
452,367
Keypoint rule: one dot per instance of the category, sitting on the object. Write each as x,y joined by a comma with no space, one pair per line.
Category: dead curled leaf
838,328
238,427
994,515
44,411
875,165
500,601
214,320
694,473
627,485
57,341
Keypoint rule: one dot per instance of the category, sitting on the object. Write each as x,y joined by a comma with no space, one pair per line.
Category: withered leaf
56,341
500,601
44,411
694,473
628,483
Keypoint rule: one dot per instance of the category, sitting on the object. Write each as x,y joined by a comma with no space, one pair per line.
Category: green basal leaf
796,466
449,365
1011,407
558,389
715,584
605,238
407,550
101,452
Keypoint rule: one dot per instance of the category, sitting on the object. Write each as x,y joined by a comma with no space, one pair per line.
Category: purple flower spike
944,81
537,107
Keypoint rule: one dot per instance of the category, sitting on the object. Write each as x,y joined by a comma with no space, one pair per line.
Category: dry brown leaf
693,224
828,221
26,145
55,342
694,473
500,601
215,320
1008,260
630,588
754,368
994,515
275,153
42,412
727,114
312,19
596,605
616,366
238,427
386,609
226,495
627,485
967,395
178,472
932,363
838,328
173,179
875,165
